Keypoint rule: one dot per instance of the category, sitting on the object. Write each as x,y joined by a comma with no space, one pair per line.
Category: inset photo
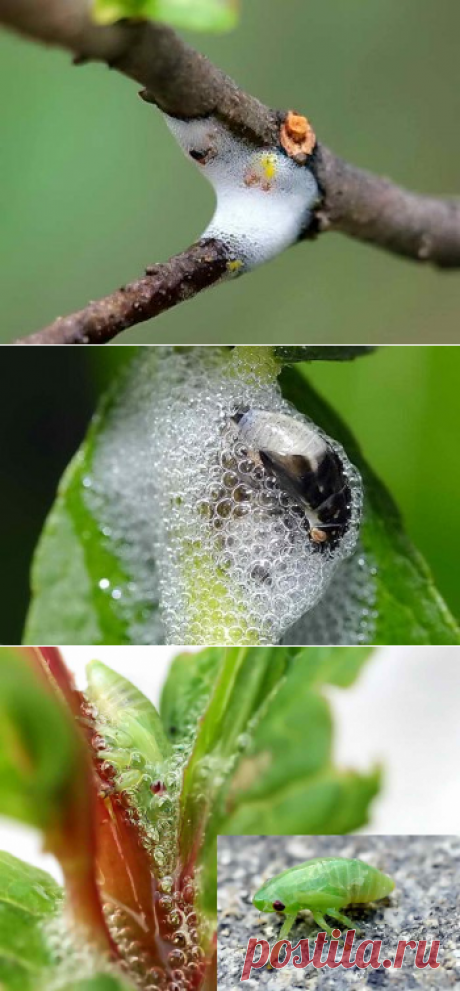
338,911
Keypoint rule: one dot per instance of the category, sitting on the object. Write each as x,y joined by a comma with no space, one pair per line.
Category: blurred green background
402,404
93,187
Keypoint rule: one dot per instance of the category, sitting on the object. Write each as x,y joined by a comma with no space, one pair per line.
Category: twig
372,209
185,84
178,79
162,287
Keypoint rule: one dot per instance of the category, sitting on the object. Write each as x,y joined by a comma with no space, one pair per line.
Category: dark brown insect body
304,465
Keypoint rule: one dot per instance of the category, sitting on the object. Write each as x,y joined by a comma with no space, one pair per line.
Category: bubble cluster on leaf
201,529
147,794
347,614
264,199
183,954
150,789
72,952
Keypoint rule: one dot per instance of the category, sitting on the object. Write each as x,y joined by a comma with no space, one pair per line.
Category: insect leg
321,922
343,918
287,926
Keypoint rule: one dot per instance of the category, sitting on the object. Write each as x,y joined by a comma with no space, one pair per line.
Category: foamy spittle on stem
264,199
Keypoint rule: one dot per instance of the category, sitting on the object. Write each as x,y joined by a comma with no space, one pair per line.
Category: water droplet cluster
180,951
200,527
264,199
72,953
150,789
147,796
347,614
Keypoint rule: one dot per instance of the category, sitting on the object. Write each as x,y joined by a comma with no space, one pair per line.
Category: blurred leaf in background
28,898
198,15
94,187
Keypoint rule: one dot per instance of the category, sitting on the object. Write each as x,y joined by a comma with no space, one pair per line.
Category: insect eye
202,156
278,906
198,156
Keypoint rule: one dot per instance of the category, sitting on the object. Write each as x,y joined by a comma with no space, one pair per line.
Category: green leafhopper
324,886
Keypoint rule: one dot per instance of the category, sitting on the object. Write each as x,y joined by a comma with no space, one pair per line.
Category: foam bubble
173,485
264,199
71,952
347,613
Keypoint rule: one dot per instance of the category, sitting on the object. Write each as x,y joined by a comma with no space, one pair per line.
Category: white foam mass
346,614
199,528
264,199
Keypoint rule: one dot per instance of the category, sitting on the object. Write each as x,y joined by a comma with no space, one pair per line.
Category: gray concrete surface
424,905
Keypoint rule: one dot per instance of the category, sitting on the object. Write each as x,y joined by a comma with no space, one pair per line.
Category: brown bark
162,287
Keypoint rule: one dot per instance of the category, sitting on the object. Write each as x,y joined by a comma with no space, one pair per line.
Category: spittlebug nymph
305,466
324,886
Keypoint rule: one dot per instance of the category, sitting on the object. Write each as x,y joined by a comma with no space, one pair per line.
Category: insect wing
293,472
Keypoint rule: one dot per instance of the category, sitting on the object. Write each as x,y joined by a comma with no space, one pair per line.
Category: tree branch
185,84
374,210
162,287
174,76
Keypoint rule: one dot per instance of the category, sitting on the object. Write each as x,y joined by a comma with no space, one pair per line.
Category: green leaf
245,679
283,779
76,574
290,756
320,352
331,803
46,775
38,750
196,15
64,600
27,887
327,665
28,897
102,982
190,680
409,609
